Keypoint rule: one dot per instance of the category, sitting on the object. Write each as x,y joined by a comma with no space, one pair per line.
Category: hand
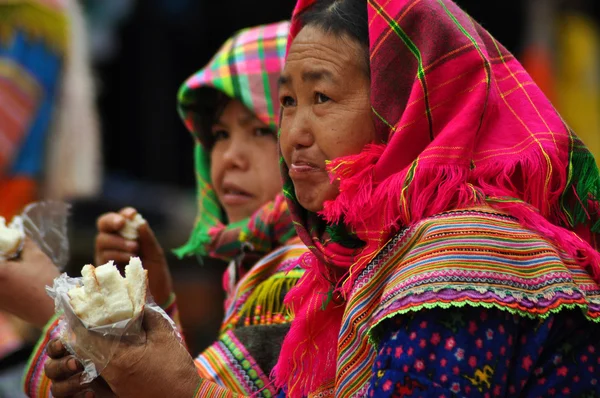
65,373
135,368
112,246
23,285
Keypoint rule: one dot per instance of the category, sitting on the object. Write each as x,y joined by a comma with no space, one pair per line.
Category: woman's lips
235,197
301,170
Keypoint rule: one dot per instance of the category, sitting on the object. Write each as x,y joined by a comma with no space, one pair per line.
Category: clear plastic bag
46,224
95,346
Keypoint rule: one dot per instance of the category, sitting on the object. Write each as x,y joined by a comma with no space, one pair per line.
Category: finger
116,256
110,222
30,251
69,388
56,349
63,368
128,212
148,243
106,241
86,394
29,244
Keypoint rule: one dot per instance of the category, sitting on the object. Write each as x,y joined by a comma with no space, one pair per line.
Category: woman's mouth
235,196
303,169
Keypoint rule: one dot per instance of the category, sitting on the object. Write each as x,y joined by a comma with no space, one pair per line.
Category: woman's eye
220,135
264,132
287,101
321,98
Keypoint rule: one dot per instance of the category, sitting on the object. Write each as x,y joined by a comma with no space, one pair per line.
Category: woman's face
244,165
324,92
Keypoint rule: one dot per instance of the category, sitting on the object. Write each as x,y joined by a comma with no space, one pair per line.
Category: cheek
216,166
284,142
266,157
346,134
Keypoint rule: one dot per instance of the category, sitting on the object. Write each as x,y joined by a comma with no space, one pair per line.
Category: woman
452,236
230,107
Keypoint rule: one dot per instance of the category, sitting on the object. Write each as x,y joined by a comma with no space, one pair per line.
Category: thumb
29,248
32,252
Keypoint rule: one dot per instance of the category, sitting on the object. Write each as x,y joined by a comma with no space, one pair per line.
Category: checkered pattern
247,68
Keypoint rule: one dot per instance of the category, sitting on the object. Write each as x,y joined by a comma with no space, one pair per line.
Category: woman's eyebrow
308,76
317,75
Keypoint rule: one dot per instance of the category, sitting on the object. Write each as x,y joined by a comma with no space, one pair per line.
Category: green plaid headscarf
246,68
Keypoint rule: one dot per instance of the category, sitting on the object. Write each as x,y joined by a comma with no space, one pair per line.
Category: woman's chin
312,203
313,198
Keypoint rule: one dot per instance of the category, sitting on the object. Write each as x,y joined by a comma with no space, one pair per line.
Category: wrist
190,386
166,303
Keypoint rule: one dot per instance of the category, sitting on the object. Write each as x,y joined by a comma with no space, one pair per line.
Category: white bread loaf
12,237
106,297
130,230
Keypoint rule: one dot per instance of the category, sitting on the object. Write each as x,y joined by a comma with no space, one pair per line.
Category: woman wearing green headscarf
231,108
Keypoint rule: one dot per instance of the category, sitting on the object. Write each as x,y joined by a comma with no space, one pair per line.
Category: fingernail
131,245
90,394
72,364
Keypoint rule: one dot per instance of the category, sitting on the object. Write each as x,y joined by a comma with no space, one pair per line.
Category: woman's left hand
23,285
161,367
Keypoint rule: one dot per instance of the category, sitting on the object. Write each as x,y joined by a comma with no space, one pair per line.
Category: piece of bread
106,297
137,283
130,230
12,237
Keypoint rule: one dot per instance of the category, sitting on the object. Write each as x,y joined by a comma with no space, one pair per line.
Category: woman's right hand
112,246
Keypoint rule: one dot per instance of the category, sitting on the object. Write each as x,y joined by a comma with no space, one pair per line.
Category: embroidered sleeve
480,352
36,384
229,364
208,389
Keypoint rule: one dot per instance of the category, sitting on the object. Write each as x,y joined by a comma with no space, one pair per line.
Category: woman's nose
300,130
236,155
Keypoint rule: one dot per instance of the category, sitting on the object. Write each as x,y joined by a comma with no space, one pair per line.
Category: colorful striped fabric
229,364
262,286
246,68
475,257
206,389
36,384
256,307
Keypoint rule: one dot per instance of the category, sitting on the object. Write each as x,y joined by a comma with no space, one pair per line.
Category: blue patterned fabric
476,352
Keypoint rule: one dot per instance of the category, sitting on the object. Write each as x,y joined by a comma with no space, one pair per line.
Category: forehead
313,47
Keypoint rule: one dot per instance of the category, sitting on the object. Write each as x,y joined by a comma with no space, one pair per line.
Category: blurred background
116,140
